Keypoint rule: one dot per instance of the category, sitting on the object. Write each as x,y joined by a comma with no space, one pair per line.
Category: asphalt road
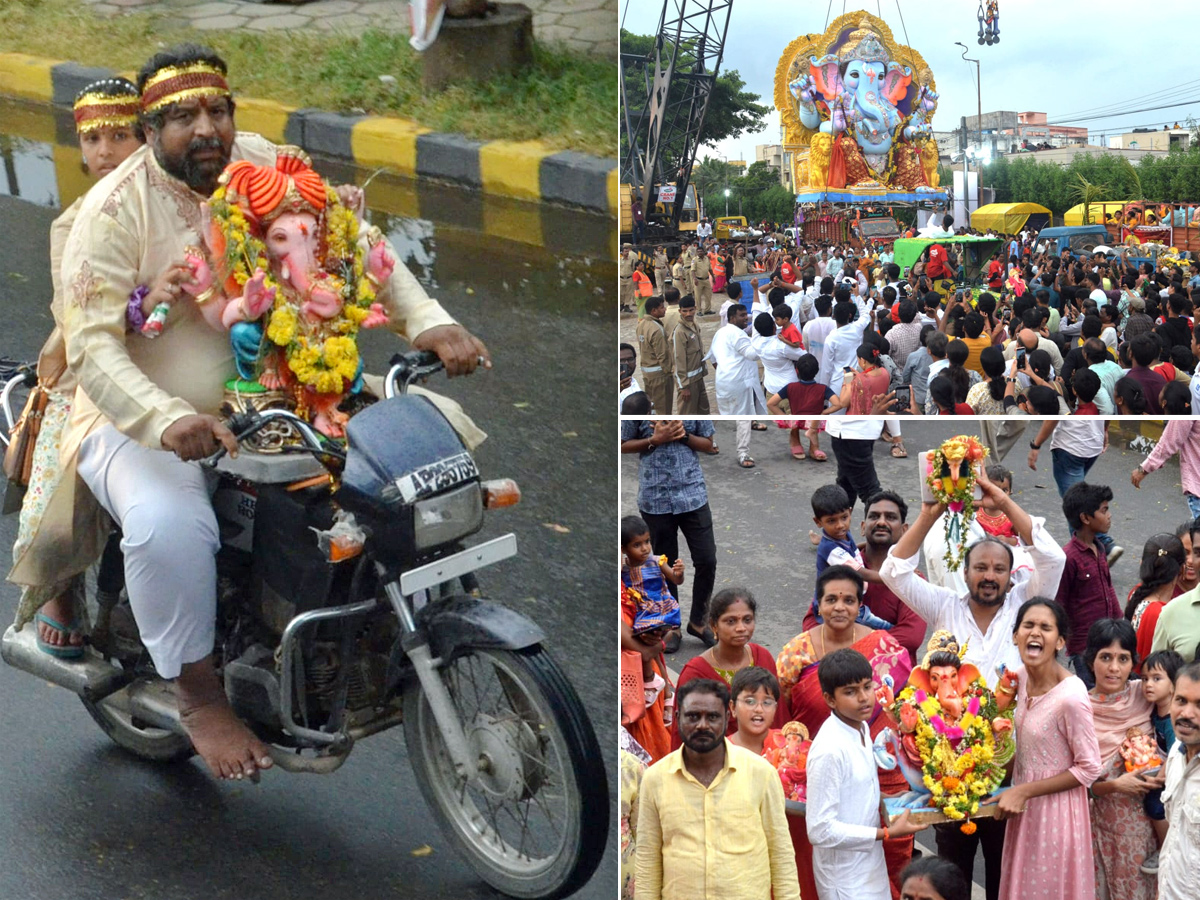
762,516
81,819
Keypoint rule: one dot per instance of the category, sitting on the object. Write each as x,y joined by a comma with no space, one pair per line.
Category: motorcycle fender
456,624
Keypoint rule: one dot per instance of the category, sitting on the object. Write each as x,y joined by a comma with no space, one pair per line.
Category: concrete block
500,43
449,156
577,179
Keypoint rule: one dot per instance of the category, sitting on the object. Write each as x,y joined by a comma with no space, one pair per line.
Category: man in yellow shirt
711,824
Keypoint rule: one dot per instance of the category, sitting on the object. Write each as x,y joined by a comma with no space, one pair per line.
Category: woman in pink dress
1048,842
1121,831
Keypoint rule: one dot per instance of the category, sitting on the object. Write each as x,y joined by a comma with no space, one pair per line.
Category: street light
726,201
978,122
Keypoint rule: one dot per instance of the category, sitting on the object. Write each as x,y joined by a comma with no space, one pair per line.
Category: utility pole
978,118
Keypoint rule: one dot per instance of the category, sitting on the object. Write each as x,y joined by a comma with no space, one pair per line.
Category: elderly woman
839,596
1122,836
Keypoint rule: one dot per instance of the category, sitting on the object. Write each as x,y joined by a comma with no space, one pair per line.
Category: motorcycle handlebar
409,367
15,376
251,421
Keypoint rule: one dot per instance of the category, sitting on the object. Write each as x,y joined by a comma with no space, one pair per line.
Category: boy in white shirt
843,787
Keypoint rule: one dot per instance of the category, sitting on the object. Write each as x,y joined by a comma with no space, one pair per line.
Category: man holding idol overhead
953,482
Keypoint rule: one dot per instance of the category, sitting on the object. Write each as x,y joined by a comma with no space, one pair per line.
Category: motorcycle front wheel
533,821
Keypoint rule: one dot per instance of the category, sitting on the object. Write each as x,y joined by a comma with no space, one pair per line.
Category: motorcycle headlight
448,517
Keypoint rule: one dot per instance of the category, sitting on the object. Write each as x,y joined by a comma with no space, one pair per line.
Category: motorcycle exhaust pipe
89,676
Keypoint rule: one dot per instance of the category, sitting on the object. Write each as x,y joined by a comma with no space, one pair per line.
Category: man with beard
1179,861
145,410
882,526
983,620
711,820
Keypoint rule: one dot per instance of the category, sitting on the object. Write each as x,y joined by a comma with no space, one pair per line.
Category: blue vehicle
1079,239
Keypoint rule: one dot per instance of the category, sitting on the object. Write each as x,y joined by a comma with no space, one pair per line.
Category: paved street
588,26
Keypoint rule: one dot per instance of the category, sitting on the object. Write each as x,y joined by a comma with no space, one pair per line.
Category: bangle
886,836
133,310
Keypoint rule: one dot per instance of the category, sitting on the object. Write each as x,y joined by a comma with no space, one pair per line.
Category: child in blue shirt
832,513
1158,686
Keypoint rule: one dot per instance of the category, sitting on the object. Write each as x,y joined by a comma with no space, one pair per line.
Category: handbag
633,694
18,458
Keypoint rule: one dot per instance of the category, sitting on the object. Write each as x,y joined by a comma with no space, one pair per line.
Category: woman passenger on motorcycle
106,122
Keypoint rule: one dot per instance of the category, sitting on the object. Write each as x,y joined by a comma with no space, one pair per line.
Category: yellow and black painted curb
523,170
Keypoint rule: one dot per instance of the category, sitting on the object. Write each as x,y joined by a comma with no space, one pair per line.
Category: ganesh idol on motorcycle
146,410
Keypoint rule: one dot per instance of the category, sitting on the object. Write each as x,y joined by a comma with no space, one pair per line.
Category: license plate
436,477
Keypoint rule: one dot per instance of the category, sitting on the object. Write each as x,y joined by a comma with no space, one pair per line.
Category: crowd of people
828,329
704,812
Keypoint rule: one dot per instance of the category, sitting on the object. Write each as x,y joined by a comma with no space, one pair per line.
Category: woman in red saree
731,613
839,594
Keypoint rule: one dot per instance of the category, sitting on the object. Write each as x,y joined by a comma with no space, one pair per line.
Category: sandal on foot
797,451
61,651
757,426
818,455
898,451
671,641
746,462
705,636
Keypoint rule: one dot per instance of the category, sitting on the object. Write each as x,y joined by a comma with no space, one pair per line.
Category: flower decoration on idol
950,735
951,472
293,282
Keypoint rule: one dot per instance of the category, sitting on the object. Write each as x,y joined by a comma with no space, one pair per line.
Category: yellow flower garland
958,778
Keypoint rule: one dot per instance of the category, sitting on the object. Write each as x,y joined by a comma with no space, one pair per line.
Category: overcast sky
1068,59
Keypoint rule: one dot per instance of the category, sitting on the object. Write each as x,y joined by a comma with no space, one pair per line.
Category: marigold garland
963,763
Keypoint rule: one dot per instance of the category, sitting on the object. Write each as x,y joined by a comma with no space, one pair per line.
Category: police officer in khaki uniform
625,264
671,319
679,274
687,349
662,270
702,273
655,354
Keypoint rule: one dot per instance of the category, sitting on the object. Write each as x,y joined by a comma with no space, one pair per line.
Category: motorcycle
348,605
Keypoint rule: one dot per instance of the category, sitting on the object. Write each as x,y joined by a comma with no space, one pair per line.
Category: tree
732,110
710,175
1087,193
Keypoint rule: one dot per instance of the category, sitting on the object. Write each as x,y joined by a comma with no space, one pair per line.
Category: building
1150,139
778,159
1012,132
739,165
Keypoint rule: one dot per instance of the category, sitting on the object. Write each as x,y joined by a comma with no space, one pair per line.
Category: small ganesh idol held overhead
293,278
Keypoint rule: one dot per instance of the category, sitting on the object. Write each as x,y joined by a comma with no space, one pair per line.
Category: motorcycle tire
147,742
534,723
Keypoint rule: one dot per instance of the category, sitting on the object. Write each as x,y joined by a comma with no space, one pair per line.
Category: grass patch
567,100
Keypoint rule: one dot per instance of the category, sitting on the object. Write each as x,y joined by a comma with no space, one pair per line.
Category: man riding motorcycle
145,411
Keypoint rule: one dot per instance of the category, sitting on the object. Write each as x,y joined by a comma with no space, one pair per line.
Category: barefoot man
146,408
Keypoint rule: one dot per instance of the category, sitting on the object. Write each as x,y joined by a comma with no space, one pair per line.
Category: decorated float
857,110
950,735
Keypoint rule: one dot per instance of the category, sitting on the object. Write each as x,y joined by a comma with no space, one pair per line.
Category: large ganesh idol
857,110
292,282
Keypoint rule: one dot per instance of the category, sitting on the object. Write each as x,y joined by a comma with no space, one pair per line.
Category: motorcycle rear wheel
521,714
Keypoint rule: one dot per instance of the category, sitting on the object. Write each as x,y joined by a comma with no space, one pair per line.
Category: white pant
743,438
170,540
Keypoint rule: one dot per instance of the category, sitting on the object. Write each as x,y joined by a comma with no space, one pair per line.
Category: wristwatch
1034,445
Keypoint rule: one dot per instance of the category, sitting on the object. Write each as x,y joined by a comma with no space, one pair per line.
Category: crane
664,98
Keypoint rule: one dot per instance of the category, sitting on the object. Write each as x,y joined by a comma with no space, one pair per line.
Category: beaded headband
173,84
95,108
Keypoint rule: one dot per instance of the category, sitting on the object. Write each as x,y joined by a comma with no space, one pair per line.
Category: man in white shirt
1195,382
778,359
982,621
984,618
1179,861
737,388
817,330
842,344
704,230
